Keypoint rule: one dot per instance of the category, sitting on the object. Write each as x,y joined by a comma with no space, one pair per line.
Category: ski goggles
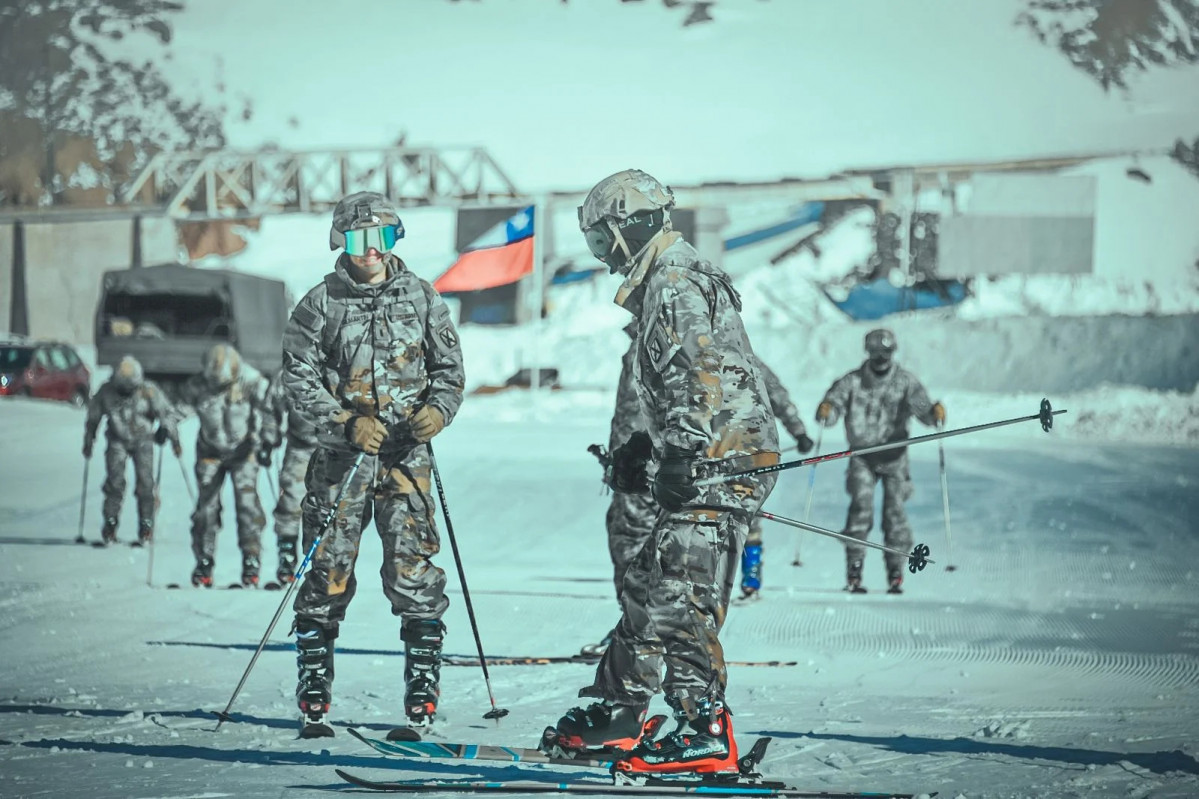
600,239
381,238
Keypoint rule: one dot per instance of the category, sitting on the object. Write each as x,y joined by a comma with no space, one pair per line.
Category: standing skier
787,414
704,406
301,443
133,405
877,399
371,359
230,399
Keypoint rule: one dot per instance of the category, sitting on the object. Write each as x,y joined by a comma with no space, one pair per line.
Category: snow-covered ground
1060,658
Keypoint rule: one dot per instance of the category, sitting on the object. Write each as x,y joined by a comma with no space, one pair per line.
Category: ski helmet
365,210
128,375
222,365
881,340
622,213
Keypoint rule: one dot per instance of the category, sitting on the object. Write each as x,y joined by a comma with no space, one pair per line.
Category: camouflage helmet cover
222,364
881,340
623,195
359,210
128,375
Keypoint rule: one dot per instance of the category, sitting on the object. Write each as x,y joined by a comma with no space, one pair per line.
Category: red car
43,369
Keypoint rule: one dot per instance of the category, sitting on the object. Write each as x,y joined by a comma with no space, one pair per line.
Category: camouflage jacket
232,417
626,420
131,417
695,371
780,402
877,407
296,427
378,350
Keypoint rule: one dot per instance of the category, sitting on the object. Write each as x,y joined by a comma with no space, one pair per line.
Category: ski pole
1045,417
157,503
79,539
917,558
807,509
945,507
183,470
496,713
223,716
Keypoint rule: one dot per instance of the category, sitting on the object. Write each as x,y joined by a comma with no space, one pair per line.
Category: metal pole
223,716
1045,417
945,507
183,470
79,539
157,503
496,713
807,509
811,528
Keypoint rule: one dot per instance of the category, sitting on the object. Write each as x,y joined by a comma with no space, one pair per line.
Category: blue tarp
804,215
879,298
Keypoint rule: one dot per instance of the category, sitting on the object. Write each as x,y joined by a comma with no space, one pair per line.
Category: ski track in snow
1059,659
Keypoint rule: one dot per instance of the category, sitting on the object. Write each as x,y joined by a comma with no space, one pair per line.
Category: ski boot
108,533
596,651
703,743
422,669
145,533
751,571
894,580
853,578
249,571
202,574
601,726
314,691
286,572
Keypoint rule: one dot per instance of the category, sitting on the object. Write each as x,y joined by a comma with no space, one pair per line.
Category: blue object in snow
751,567
878,298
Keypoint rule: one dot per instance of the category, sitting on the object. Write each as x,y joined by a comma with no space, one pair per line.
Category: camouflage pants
395,489
630,522
291,489
142,453
860,478
211,469
674,600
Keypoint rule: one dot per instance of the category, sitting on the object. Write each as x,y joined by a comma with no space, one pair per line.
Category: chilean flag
502,255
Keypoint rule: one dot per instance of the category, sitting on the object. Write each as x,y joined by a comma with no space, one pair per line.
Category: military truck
168,316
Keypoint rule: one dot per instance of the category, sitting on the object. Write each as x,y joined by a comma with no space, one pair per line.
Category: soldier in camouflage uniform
787,414
301,443
236,431
133,405
877,399
704,406
371,359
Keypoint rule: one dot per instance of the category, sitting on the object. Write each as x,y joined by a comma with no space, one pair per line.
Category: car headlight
4,381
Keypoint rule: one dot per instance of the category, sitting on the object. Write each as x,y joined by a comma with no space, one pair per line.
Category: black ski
591,660
650,787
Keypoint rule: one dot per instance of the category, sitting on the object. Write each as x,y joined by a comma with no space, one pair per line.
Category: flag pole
539,231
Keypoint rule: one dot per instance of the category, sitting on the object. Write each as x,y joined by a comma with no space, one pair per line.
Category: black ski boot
599,726
853,577
894,580
314,691
286,573
145,533
249,571
108,533
202,574
422,669
703,743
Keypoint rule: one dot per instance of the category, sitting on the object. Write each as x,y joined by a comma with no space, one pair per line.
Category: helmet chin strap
631,259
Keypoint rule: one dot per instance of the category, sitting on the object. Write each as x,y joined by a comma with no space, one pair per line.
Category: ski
650,787
591,660
506,754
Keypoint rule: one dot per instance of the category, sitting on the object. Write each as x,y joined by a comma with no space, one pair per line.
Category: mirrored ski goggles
600,239
381,238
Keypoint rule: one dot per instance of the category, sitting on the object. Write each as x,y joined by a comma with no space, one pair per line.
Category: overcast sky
563,94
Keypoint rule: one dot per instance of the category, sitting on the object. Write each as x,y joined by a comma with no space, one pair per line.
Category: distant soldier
301,443
704,407
133,406
236,428
371,359
877,399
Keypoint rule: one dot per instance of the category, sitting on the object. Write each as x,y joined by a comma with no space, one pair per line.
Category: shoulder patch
445,332
306,316
661,345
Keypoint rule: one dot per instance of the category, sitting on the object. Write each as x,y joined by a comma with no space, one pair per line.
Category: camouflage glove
803,443
263,456
426,423
938,414
673,485
161,435
824,414
366,433
628,463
